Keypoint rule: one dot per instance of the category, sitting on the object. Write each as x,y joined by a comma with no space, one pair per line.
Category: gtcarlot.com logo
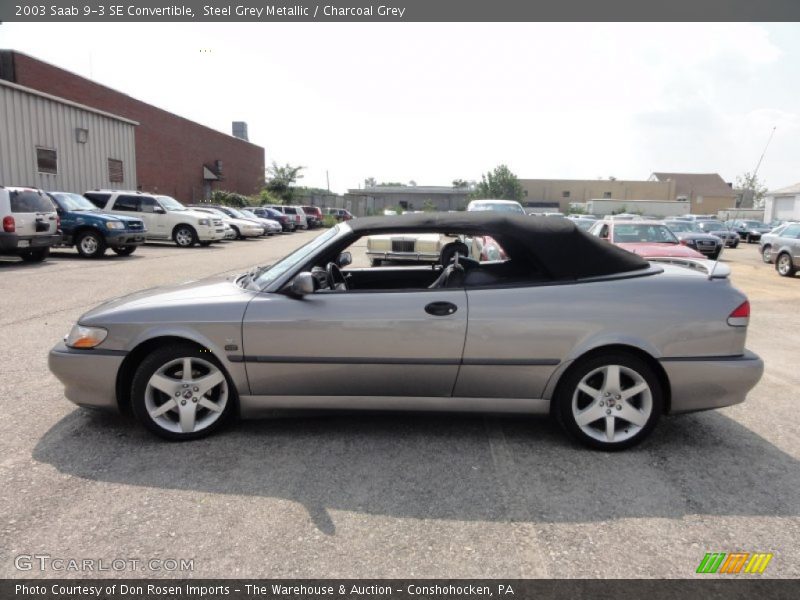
735,562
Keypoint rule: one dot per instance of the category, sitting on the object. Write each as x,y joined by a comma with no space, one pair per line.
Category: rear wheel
784,265
184,236
124,250
90,244
609,402
35,255
180,392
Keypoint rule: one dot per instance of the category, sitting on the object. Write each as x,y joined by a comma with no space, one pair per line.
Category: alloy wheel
186,395
767,254
184,237
89,244
784,264
612,403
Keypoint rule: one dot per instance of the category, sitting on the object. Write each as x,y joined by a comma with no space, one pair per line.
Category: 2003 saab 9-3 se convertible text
568,324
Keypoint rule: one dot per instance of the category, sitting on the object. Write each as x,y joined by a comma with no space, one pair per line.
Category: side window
792,231
127,203
146,204
98,199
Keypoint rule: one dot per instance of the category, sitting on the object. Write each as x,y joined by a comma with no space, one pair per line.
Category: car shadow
443,466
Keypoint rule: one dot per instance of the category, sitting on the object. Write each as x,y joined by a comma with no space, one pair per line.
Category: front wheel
124,250
90,244
182,393
784,265
609,402
766,254
184,236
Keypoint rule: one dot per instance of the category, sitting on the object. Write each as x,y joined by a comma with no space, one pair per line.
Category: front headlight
85,337
115,225
203,221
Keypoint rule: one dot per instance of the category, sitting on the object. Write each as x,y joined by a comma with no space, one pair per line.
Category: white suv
30,223
164,217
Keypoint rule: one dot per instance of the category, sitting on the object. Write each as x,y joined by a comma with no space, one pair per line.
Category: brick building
174,156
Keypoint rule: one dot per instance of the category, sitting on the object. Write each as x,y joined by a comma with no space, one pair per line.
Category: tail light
9,226
740,317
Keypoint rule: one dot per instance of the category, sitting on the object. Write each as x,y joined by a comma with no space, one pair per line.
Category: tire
164,367
735,244
766,254
34,256
184,236
716,254
784,265
646,406
90,244
124,250
238,233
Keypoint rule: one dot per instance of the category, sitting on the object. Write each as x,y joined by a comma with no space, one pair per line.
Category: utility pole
328,179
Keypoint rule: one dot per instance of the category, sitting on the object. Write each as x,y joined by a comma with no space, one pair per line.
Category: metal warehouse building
56,144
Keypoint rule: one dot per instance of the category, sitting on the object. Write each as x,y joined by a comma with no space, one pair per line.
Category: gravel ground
381,495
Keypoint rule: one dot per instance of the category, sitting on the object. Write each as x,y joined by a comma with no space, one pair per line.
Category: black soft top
553,244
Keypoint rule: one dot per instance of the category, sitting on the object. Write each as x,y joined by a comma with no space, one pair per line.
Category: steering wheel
335,277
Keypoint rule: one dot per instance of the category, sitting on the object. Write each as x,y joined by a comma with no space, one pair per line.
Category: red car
313,216
649,239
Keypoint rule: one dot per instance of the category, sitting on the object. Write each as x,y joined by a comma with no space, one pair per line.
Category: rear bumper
714,382
404,256
11,243
89,376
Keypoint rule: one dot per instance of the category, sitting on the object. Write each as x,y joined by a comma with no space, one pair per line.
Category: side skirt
253,406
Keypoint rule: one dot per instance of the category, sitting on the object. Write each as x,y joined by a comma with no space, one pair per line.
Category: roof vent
240,130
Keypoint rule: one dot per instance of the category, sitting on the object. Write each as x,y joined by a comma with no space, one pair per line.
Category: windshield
638,233
499,206
71,202
713,225
170,204
235,213
248,214
295,258
682,226
753,224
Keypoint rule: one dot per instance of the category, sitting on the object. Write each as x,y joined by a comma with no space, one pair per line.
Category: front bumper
404,256
126,238
699,383
210,234
89,376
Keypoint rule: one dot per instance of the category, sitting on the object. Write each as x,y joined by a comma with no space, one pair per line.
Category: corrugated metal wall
28,120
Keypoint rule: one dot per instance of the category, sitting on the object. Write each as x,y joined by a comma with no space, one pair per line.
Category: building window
606,194
46,161
565,194
115,173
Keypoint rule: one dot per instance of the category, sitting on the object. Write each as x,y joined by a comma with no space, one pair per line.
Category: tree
500,183
753,187
460,184
280,180
369,182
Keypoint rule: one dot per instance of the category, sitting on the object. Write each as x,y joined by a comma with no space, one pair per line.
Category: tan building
707,193
557,194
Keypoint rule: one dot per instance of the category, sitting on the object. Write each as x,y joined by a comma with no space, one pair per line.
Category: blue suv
92,232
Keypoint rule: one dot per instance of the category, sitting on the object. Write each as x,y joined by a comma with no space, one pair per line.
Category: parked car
30,223
271,214
271,227
748,230
650,239
689,234
313,216
164,217
93,232
689,217
420,248
583,223
340,214
511,206
468,336
783,248
242,228
295,213
718,229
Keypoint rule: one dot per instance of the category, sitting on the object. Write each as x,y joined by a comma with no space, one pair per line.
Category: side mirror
303,284
345,258
159,211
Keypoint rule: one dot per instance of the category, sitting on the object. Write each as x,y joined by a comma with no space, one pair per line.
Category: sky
437,102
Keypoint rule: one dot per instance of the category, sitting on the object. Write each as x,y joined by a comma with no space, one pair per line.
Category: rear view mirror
303,284
345,258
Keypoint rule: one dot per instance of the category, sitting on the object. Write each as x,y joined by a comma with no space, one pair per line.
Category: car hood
665,250
105,217
692,235
221,289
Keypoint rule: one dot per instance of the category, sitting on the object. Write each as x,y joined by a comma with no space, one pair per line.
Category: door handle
441,309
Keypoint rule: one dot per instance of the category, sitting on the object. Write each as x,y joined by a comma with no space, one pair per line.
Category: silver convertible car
565,324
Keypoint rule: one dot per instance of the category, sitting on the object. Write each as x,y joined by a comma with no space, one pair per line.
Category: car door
383,343
156,223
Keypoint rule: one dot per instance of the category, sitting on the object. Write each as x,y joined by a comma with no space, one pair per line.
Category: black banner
399,10
735,587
